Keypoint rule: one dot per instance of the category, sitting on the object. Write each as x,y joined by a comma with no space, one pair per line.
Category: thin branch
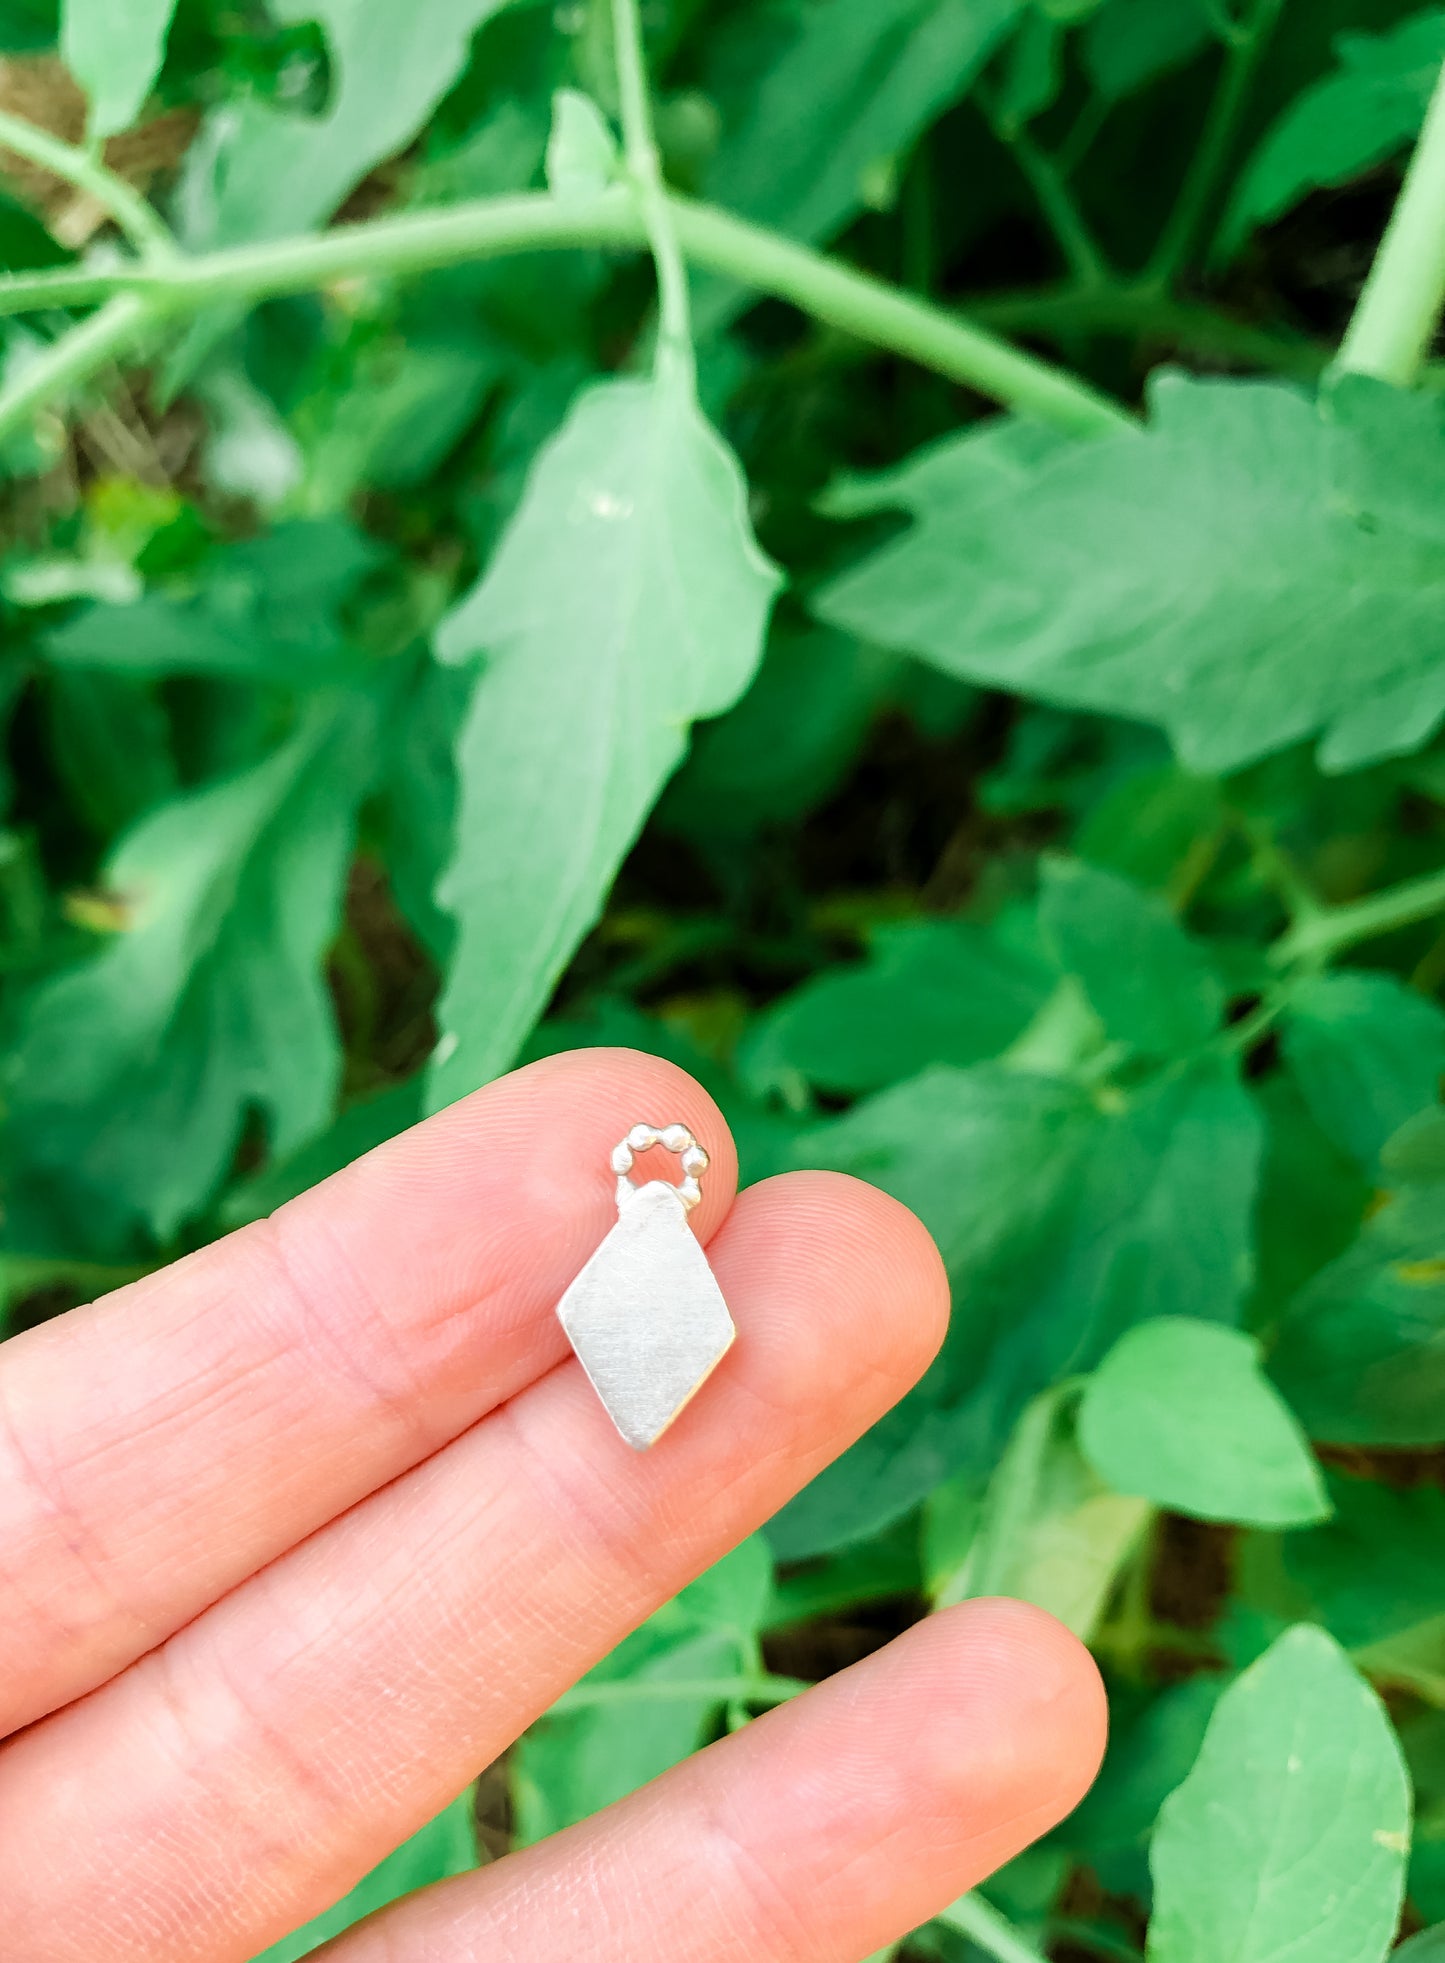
1318,937
644,166
983,1924
1394,322
421,242
139,221
1052,194
1058,312
1192,209
81,352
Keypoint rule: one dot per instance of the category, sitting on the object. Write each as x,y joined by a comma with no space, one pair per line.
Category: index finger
167,1442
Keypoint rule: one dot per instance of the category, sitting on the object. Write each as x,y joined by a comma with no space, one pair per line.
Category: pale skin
298,1535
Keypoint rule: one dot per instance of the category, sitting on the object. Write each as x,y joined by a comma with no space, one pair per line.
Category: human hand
296,1536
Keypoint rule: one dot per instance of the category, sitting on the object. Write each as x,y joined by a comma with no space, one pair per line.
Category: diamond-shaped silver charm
646,1316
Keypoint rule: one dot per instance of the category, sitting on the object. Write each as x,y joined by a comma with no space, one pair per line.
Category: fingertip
1049,1711
857,1276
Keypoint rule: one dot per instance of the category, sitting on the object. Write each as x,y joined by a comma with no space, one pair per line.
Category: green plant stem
1319,937
1123,307
1051,191
644,166
982,1923
1055,200
761,1689
420,242
1181,235
135,217
78,354
1394,322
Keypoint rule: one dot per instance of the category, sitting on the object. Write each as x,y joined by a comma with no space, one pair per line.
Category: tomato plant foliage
924,604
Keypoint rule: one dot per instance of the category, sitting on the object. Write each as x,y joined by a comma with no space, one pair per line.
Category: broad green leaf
626,599
582,155
1367,1053
1248,571
1049,1531
261,172
1150,1753
785,746
114,49
1427,1947
1128,43
416,803
112,746
445,1846
1422,1736
636,1713
1181,1413
1032,72
359,1129
1063,1220
406,405
264,609
884,69
1312,1198
1145,979
1375,1569
1340,127
932,991
1360,1353
134,1072
1288,1839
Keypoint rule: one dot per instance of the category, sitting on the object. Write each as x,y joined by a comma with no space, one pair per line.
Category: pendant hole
676,1142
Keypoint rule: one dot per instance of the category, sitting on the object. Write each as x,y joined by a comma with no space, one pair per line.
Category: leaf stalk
837,294
1394,322
644,166
86,170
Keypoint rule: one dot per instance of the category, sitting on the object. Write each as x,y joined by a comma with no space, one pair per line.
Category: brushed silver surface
646,1316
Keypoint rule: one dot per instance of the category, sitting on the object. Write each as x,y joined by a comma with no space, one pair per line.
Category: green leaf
407,404
932,991
1367,1053
1375,1570
445,1846
577,1760
626,599
114,49
112,745
1128,43
1249,571
1338,128
264,609
789,741
1145,979
1427,1947
359,1129
1289,1837
1150,1753
1181,1413
885,69
1312,1199
134,1072
1049,1532
1360,1353
582,154
1063,1220
260,172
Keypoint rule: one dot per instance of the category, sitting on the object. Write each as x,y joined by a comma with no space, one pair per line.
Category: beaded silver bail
672,1138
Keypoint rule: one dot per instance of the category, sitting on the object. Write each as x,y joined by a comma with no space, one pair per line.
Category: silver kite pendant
646,1316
